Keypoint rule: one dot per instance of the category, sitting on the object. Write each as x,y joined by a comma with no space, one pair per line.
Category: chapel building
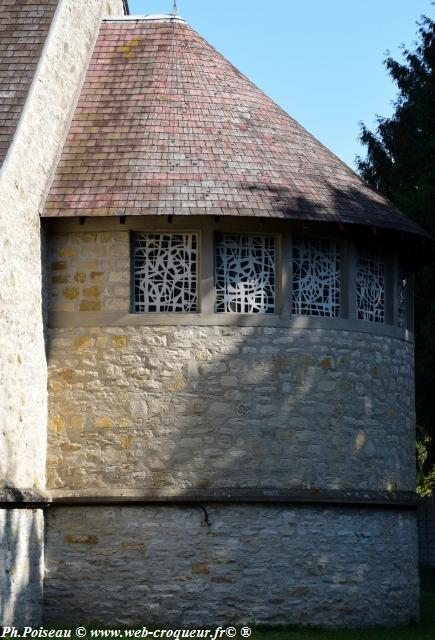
207,342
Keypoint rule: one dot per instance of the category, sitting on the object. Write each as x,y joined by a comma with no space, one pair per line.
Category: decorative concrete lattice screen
316,277
245,274
370,287
401,284
165,272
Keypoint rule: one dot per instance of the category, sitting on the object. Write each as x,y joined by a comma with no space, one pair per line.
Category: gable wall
25,179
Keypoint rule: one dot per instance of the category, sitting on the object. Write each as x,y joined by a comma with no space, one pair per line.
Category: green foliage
400,163
425,471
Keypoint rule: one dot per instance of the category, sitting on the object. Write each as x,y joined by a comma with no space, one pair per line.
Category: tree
400,163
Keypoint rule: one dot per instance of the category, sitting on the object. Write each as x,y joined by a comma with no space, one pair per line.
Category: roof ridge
152,17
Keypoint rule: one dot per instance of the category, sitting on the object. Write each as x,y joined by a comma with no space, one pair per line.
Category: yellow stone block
88,264
90,305
105,236
88,237
54,385
105,422
71,293
67,252
77,422
327,363
63,306
92,292
66,374
97,276
119,341
126,442
81,539
56,424
82,343
201,568
101,341
80,276
60,279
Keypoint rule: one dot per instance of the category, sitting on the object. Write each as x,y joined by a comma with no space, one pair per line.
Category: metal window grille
370,287
401,299
165,272
245,273
316,277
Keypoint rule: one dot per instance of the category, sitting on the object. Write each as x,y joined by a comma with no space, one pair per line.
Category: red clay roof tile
165,125
24,25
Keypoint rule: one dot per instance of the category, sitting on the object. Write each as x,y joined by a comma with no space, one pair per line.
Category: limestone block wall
162,565
90,271
183,407
25,178
173,410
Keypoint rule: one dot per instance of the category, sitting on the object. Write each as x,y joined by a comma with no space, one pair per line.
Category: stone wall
183,407
162,565
174,409
90,271
26,176
21,566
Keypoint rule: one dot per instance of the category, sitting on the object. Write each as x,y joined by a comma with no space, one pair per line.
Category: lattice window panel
401,299
370,287
245,274
316,277
165,272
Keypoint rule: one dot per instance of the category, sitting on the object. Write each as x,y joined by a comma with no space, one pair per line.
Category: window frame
308,237
277,273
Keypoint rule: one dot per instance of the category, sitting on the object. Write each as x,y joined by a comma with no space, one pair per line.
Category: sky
320,60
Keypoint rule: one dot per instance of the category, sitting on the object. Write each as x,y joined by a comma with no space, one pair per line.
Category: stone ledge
29,498
12,498
81,319
400,499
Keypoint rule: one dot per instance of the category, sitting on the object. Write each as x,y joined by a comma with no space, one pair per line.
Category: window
165,274
246,268
401,304
316,277
370,287
245,273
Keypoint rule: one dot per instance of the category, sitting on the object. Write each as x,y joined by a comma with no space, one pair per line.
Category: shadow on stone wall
21,544
203,408
22,529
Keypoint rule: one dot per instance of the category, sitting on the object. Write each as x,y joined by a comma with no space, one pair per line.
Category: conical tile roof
165,125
